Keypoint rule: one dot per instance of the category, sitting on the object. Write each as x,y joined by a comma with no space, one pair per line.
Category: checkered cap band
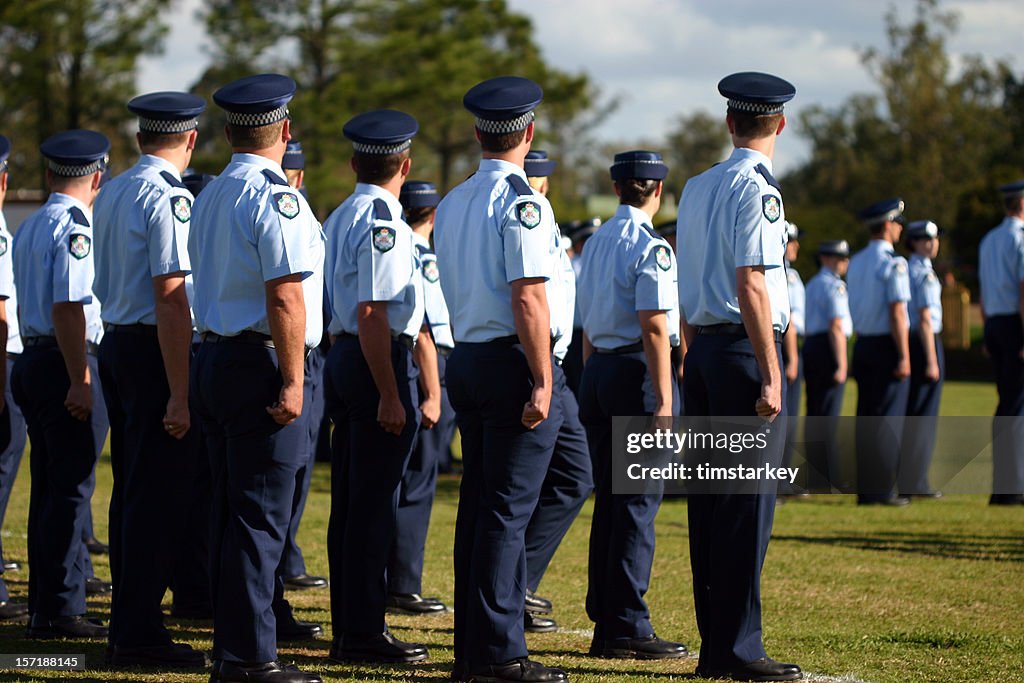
430,191
756,107
509,126
165,126
3,165
381,150
631,162
74,171
256,120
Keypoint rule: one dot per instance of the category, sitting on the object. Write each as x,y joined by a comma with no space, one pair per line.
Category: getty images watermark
740,455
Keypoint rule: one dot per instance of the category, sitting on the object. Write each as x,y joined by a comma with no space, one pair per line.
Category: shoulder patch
840,289
171,180
771,207
3,245
287,204
663,258
273,177
529,214
792,276
181,207
900,265
79,246
768,177
930,277
521,187
430,270
383,238
78,216
381,210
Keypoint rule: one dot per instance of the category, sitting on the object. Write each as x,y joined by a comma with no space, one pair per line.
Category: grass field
932,592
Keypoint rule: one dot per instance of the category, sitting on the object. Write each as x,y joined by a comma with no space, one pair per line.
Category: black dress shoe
460,672
537,604
520,670
12,610
267,672
534,623
94,586
192,611
297,629
12,566
894,501
1006,499
651,647
96,547
304,582
764,669
65,627
172,655
414,604
382,648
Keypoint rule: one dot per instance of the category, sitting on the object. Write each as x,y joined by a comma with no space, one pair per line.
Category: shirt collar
923,260
883,245
378,192
160,164
420,239
1015,222
68,200
634,214
753,155
830,273
259,161
501,166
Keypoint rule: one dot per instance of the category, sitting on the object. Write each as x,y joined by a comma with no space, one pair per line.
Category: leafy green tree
697,141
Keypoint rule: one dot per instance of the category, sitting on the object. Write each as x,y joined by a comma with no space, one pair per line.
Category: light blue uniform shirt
141,221
248,228
53,263
797,299
562,300
826,301
435,308
491,231
371,257
925,292
878,278
731,216
1001,267
626,267
7,290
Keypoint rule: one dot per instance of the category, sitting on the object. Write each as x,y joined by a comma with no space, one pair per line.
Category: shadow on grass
991,548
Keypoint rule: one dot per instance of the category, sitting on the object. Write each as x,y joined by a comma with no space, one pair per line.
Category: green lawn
933,592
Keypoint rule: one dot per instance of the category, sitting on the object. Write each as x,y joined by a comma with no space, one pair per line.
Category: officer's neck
424,229
765,145
515,156
179,157
394,186
275,153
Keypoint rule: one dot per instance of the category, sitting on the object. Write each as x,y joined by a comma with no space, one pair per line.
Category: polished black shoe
460,672
13,610
267,672
520,670
895,501
94,586
534,623
381,648
172,655
764,669
651,647
65,627
414,604
1006,499
96,547
304,582
297,629
537,604
12,566
192,611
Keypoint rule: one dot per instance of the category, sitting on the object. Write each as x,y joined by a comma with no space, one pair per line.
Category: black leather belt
136,328
50,342
733,330
405,340
245,337
512,340
635,347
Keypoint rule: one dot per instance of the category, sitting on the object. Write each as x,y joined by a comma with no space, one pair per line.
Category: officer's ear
192,137
286,131
658,190
782,124
731,123
529,133
353,165
227,133
618,190
405,167
97,178
3,183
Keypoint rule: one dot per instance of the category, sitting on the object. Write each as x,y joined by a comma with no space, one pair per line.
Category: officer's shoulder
287,201
896,265
76,219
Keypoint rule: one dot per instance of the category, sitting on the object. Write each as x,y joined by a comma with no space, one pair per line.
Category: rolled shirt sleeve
529,239
169,221
656,279
281,240
73,269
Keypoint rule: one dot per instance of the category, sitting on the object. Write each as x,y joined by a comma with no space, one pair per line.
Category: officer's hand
431,412
931,372
662,417
536,409
391,415
770,403
177,419
288,406
79,401
839,376
902,370
792,372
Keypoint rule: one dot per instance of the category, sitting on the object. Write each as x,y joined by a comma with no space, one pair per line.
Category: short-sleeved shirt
434,306
562,301
878,278
141,221
7,290
250,227
731,216
827,300
1001,267
371,257
925,292
492,230
53,263
797,299
626,268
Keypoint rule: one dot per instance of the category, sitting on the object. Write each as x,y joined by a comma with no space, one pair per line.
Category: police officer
627,287
257,256
827,328
577,232
294,165
927,361
141,229
791,347
570,479
51,381
376,300
433,446
733,297
879,292
1001,275
498,241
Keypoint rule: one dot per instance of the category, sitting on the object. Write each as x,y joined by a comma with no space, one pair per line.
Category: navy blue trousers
152,473
62,459
621,551
253,462
729,533
1004,340
365,478
883,398
504,465
793,396
923,407
10,460
416,497
824,403
567,485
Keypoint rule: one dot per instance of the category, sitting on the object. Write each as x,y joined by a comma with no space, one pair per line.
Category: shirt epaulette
521,187
78,216
171,180
381,210
769,178
273,177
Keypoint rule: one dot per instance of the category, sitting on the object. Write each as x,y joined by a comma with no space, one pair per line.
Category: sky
664,58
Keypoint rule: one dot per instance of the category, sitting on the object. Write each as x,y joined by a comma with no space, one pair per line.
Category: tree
696,142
